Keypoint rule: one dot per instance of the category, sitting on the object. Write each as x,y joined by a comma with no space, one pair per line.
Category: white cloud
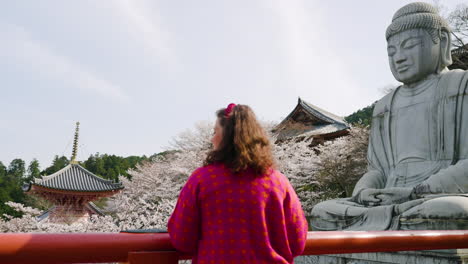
17,45
312,67
144,21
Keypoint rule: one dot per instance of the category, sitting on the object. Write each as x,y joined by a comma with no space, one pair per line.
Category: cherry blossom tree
296,160
150,194
148,198
342,162
28,222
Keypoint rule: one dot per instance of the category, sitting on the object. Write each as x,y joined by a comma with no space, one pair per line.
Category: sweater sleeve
184,223
296,223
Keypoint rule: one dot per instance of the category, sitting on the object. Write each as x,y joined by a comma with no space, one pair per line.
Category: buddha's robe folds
419,139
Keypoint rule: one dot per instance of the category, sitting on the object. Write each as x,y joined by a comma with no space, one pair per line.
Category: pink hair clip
229,109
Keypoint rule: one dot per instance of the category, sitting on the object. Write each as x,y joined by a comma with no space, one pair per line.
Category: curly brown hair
244,144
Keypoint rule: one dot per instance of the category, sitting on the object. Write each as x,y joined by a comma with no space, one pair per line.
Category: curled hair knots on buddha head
244,144
424,16
418,15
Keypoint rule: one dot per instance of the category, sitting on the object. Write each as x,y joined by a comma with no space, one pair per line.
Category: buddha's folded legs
442,213
343,214
438,213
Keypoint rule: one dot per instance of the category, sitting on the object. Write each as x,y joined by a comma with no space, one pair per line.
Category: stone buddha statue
417,176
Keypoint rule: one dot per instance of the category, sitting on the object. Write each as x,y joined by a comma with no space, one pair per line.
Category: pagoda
308,121
72,190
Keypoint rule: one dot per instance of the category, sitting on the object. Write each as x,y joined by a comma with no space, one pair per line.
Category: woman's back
236,209
242,218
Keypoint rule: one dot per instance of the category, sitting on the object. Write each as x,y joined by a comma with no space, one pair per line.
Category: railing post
153,257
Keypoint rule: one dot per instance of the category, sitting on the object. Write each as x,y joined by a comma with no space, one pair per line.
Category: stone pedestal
456,256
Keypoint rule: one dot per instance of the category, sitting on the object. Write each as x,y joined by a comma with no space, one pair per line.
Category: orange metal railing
156,247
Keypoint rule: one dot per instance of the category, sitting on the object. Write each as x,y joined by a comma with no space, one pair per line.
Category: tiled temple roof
76,178
323,123
322,114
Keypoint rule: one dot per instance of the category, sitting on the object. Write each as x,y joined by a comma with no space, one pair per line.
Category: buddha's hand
369,197
394,195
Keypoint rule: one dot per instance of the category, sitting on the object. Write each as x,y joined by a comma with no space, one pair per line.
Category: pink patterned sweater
226,218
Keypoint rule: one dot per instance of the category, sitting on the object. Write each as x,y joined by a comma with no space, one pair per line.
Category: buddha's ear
445,45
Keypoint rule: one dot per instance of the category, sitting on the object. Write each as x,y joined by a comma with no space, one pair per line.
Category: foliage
57,164
296,159
105,165
458,20
150,197
147,200
198,139
152,188
111,166
11,181
342,162
33,171
326,171
362,116
16,169
29,223
16,175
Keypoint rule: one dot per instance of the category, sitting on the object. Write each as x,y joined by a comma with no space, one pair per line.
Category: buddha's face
413,55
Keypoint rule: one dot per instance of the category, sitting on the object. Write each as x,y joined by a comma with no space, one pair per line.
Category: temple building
72,190
308,121
460,58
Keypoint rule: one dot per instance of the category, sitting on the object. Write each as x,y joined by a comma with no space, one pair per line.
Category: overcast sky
137,73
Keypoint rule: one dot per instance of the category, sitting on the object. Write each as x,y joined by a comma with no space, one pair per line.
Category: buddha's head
418,43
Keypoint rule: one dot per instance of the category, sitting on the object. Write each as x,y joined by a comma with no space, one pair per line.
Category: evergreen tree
362,116
112,166
3,170
33,170
10,184
57,164
4,188
3,178
17,169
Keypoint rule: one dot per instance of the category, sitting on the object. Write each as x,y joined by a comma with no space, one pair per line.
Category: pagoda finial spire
75,144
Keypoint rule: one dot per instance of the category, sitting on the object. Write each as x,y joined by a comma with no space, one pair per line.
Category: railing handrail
115,247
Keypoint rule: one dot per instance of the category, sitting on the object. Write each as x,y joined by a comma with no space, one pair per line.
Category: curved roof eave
317,112
322,114
79,179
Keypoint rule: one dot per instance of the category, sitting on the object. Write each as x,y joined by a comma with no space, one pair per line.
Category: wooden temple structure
460,58
308,121
72,190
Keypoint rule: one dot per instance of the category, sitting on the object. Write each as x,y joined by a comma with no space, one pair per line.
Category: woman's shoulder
276,174
277,177
209,170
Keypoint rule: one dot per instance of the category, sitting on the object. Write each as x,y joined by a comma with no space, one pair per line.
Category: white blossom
149,197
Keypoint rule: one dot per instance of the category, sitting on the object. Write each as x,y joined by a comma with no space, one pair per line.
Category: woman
237,208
